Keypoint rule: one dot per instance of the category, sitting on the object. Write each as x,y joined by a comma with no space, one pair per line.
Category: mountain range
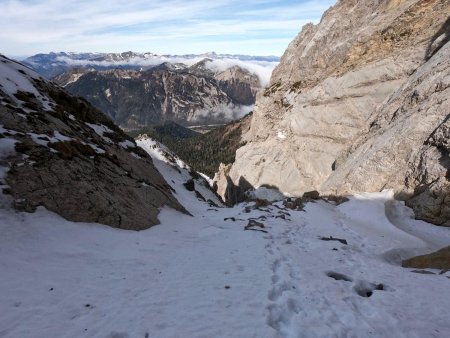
52,64
167,92
138,90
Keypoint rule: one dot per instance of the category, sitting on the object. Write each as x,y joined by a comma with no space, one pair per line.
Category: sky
253,27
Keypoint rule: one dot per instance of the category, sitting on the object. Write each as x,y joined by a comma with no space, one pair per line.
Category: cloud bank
263,69
220,113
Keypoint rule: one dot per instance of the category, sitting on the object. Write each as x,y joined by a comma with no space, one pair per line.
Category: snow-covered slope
58,151
15,78
205,276
188,186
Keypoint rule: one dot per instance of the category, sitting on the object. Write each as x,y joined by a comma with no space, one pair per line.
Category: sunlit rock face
359,102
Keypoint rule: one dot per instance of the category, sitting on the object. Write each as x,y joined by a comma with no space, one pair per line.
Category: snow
136,156
208,179
127,144
100,129
44,139
96,148
7,147
73,78
13,81
281,135
60,137
160,152
268,194
204,276
15,77
176,173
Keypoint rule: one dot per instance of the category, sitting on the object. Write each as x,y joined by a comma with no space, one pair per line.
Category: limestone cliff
406,147
367,69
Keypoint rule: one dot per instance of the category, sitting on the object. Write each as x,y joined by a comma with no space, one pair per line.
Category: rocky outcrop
70,158
222,181
406,146
436,260
239,84
354,104
168,92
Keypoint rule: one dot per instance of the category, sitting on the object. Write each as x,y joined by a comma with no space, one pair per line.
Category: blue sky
255,27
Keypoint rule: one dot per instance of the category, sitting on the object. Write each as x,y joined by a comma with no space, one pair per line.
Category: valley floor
204,276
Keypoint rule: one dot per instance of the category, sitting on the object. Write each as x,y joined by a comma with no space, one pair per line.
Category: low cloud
220,113
263,69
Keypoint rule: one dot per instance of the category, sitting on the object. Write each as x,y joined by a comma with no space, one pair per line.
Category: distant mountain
196,94
52,64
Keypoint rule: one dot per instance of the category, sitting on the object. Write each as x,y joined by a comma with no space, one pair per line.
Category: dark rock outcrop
71,159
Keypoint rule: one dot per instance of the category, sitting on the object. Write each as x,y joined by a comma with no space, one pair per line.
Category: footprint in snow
339,276
362,288
366,289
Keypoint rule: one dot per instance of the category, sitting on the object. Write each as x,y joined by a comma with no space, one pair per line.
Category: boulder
436,260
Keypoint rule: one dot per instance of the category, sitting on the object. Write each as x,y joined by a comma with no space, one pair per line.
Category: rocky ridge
53,64
167,92
359,102
59,152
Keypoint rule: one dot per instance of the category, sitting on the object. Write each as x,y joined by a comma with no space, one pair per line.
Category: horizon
205,54
173,27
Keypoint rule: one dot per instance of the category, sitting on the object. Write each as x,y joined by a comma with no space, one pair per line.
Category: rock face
168,92
359,103
239,84
406,147
70,158
436,260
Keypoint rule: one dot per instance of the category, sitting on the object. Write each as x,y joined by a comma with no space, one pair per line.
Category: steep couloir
359,102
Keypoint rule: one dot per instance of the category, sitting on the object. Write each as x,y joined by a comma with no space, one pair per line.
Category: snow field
204,276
